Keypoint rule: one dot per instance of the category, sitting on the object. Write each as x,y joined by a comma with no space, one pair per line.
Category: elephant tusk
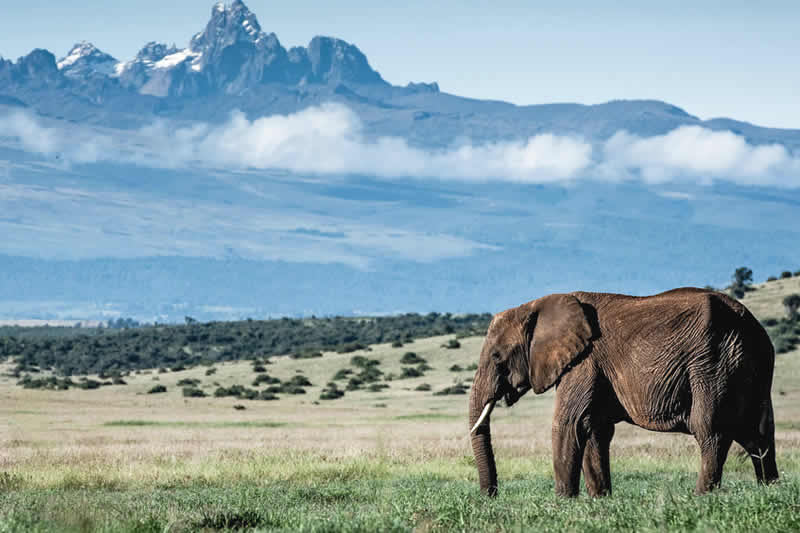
484,414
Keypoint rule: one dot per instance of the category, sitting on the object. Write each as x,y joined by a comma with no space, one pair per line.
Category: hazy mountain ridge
233,64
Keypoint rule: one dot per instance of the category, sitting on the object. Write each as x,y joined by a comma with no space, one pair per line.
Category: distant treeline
71,351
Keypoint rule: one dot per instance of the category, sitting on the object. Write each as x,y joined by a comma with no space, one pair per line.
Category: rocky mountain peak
154,51
230,24
335,61
85,59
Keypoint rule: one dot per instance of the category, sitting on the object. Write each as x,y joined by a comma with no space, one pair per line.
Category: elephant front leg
596,463
713,452
569,442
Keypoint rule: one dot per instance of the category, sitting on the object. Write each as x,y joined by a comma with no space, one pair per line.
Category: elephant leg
569,441
713,452
760,444
596,467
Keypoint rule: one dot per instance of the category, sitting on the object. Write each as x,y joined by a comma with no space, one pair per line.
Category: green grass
244,424
642,502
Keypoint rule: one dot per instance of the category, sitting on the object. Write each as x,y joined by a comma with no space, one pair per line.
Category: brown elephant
688,360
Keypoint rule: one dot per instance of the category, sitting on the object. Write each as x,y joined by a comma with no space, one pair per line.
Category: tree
792,305
742,278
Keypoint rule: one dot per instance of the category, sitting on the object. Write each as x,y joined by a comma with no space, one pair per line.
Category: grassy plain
119,459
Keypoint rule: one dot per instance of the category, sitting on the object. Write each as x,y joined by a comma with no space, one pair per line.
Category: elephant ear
561,333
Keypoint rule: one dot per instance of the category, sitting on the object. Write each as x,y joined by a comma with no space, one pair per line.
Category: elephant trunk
480,404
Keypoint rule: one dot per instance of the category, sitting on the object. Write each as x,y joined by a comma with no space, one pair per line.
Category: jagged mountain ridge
233,64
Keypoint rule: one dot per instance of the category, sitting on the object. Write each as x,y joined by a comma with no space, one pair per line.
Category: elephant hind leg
596,467
713,452
760,444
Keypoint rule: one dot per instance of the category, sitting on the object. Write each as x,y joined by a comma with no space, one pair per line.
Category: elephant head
527,347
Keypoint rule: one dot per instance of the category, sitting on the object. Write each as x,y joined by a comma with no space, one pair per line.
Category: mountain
233,64
234,177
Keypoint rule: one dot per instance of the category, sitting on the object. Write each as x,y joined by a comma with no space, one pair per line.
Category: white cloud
699,154
329,140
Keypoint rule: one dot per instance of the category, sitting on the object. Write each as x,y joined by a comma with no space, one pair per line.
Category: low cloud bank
330,140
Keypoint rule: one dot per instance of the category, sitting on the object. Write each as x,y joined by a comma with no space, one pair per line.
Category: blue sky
722,58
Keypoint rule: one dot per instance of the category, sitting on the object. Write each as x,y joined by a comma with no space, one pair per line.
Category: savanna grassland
394,458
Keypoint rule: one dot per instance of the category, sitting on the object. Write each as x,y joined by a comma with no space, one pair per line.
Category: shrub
458,388
397,344
424,367
292,389
456,368
90,384
410,372
792,304
769,322
377,387
410,358
423,387
350,347
118,381
362,362
192,392
259,369
157,389
452,344
473,367
239,407
211,371
797,273
265,378
265,395
342,374
771,278
331,392
370,375
786,274
354,384
188,382
306,355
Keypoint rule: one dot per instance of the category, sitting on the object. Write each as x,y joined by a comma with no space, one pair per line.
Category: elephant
687,360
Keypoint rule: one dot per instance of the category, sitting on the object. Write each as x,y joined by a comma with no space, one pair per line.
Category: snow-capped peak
83,49
85,58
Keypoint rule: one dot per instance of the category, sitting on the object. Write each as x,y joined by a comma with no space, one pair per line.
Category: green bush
265,378
157,389
771,278
410,372
473,367
188,382
397,344
456,368
193,392
786,274
370,375
458,388
411,358
342,374
90,384
452,344
259,369
311,354
350,347
331,392
360,361
423,387
211,371
266,395
354,383
377,387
